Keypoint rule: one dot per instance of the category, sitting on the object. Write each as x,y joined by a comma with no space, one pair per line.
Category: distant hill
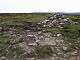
70,14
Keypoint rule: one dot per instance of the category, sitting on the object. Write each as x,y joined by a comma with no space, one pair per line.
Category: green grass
51,30
20,19
13,19
8,50
75,18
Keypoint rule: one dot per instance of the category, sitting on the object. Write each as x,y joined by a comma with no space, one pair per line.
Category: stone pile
56,20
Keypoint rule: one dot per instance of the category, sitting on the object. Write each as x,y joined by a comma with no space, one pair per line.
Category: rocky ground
32,34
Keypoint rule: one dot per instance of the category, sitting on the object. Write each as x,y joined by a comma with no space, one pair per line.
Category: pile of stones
56,20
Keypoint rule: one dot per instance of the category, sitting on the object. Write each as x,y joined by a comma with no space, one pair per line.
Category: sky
28,6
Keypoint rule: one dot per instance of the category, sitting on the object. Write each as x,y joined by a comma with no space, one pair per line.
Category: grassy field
14,18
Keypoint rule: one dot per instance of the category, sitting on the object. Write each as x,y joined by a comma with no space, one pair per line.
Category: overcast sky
39,6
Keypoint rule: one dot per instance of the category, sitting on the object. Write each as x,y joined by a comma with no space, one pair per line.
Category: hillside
30,36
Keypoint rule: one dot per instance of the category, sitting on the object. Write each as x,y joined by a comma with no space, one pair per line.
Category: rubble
56,20
34,32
